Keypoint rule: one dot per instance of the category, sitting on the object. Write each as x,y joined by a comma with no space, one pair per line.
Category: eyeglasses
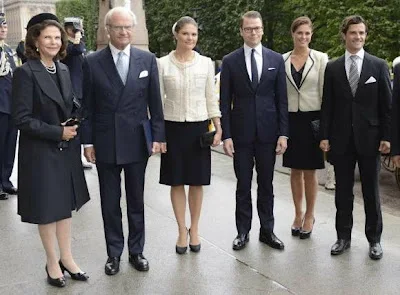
119,29
255,29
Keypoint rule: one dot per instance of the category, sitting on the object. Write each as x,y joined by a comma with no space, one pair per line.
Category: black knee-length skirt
303,150
185,162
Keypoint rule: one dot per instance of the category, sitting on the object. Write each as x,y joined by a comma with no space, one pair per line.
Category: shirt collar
115,51
247,49
360,54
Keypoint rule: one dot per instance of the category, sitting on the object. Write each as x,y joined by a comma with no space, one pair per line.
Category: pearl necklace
52,69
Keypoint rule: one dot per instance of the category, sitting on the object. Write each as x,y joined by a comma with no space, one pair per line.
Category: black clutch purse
206,139
315,128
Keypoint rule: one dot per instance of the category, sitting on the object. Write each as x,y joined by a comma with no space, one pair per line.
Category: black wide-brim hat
37,19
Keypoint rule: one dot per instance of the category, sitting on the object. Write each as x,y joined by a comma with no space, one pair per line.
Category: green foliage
88,10
219,22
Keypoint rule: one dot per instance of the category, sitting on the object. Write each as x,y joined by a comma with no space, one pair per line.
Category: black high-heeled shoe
182,250
79,276
296,231
306,234
58,282
194,248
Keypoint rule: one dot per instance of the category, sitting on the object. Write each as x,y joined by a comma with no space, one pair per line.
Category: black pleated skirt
185,162
303,150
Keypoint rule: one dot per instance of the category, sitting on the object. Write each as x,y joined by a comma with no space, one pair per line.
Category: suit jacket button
61,149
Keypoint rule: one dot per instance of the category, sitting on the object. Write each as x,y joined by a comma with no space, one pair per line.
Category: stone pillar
140,35
18,13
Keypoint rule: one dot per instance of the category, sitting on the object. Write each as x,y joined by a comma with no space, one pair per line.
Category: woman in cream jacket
304,76
188,93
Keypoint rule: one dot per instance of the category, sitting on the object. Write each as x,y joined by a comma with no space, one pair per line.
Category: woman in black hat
50,176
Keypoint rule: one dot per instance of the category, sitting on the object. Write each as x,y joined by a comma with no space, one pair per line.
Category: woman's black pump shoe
306,234
79,276
182,250
58,282
194,248
296,231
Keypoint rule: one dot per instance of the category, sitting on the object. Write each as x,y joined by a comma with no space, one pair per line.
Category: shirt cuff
87,145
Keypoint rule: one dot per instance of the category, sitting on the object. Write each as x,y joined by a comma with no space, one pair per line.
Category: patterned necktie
122,66
254,71
354,76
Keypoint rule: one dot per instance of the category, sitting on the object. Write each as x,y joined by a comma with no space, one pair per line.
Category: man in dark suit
74,60
395,142
355,127
8,132
255,125
120,88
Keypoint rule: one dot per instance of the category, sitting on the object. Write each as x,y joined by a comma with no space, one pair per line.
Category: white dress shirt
115,51
257,56
359,61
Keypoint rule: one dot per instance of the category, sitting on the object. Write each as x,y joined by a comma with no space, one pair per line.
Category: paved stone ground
304,267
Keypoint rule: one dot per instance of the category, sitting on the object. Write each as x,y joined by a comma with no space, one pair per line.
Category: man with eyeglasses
120,89
255,125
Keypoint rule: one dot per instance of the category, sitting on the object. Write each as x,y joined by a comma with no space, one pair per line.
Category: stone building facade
19,12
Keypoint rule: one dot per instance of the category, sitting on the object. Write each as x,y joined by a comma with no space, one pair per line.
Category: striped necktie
354,76
122,66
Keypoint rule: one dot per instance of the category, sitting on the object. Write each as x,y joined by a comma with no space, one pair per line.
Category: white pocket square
370,80
270,69
143,74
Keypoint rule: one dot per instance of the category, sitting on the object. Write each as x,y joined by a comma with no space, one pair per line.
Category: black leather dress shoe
375,251
271,240
3,195
340,246
112,266
79,276
10,190
240,241
139,262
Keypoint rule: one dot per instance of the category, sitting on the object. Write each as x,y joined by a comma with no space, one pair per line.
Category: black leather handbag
315,128
207,139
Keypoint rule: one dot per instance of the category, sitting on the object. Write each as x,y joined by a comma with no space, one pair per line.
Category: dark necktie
354,76
254,71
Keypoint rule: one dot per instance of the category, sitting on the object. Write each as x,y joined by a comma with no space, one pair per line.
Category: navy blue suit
8,131
254,119
114,126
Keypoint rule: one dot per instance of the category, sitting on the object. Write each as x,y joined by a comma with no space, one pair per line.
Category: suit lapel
107,63
133,73
307,68
343,76
288,71
63,77
242,65
365,72
265,66
47,84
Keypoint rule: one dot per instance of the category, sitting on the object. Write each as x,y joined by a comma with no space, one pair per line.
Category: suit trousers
263,156
369,167
110,194
8,141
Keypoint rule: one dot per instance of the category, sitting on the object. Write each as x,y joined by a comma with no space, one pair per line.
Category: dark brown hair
184,20
250,14
352,20
302,20
33,34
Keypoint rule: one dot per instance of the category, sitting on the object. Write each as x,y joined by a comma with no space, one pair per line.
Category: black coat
51,181
395,138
